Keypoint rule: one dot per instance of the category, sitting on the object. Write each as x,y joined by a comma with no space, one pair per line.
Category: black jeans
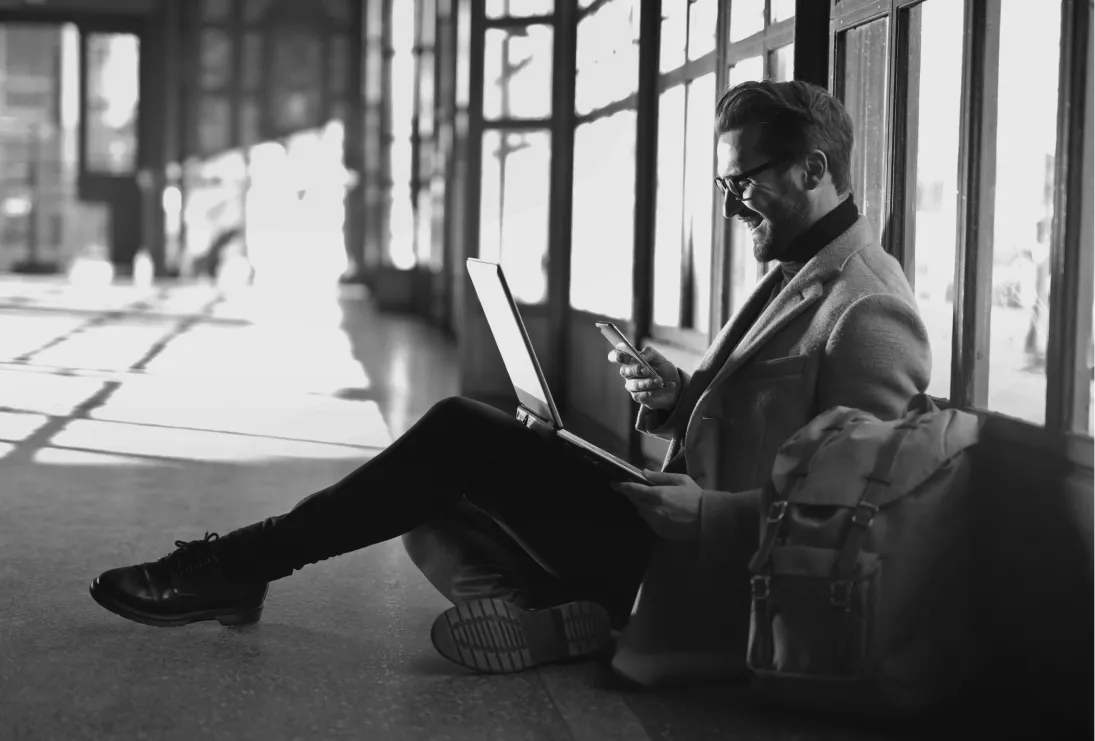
487,508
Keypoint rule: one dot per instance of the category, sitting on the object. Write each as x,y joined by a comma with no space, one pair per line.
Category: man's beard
776,231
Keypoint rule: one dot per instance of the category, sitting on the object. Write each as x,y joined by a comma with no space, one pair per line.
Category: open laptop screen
511,339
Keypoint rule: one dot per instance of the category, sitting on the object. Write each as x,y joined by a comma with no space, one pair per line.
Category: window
933,109
607,56
684,214
1026,141
517,72
746,19
515,198
603,195
602,239
515,191
401,250
113,95
862,54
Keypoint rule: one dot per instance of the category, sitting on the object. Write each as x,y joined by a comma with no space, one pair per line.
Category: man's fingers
660,477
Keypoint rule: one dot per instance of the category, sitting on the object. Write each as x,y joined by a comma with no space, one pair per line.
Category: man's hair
797,118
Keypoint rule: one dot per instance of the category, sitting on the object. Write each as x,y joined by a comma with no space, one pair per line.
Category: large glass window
1026,140
514,208
517,72
113,93
602,240
864,50
603,212
607,55
686,156
934,111
401,220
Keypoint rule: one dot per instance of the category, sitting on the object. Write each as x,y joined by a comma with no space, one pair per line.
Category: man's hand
671,506
640,385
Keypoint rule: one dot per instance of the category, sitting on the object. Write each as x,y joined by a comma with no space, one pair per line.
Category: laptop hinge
534,423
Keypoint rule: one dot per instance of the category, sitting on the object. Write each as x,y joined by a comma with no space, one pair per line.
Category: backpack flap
845,459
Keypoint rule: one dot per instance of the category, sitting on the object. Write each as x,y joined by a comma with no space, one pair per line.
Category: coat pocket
792,365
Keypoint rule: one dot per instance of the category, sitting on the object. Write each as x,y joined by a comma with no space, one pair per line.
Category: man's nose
731,205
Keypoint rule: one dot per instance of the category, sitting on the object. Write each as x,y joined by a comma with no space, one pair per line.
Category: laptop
536,408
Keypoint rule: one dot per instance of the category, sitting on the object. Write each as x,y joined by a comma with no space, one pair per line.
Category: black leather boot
187,586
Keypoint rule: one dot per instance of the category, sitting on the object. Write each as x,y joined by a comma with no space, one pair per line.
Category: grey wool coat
845,331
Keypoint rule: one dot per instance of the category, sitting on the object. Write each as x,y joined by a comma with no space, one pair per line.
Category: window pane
746,18
670,212
703,15
1026,139
781,63
607,55
517,72
781,10
744,269
674,30
514,208
113,94
602,241
864,50
700,164
401,252
502,8
937,91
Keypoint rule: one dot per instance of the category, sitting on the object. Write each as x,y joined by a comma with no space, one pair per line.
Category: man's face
774,206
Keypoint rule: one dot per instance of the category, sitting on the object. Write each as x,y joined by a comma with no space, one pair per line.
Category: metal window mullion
645,185
976,204
1067,227
687,284
720,234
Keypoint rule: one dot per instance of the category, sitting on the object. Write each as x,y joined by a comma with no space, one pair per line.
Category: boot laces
192,555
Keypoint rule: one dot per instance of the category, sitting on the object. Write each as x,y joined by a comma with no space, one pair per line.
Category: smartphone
614,336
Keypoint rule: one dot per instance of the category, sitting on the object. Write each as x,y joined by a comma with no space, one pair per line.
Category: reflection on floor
130,418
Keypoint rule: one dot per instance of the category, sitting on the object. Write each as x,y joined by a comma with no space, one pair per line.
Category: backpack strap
865,510
778,507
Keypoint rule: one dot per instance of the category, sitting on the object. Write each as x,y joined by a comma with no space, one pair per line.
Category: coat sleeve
664,423
876,359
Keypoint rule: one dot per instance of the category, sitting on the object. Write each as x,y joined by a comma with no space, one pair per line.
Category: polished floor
133,417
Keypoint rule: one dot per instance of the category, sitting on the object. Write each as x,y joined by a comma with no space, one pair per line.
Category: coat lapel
728,338
805,289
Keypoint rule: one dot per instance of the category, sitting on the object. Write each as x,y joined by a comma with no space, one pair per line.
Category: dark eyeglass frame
732,183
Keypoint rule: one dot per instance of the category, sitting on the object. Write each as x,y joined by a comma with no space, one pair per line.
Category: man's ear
817,165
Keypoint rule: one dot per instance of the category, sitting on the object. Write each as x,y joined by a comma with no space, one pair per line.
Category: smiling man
537,552
835,323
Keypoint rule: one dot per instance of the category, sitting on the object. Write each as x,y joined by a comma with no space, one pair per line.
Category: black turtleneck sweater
810,242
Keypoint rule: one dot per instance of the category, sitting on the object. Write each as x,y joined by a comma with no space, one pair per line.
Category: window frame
685,335
1070,226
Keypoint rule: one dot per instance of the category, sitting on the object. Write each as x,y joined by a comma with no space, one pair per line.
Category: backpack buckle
776,511
864,514
760,585
840,594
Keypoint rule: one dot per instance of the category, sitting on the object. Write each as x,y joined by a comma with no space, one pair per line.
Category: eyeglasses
734,183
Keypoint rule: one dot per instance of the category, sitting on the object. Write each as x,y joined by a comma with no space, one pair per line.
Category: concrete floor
130,418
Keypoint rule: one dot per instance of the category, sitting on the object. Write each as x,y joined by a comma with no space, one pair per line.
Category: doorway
69,144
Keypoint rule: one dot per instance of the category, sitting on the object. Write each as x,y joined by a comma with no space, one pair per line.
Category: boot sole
224,617
497,637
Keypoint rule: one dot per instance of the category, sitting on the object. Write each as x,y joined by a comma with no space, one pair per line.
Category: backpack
860,586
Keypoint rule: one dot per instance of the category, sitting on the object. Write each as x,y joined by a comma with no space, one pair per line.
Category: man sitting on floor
540,553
